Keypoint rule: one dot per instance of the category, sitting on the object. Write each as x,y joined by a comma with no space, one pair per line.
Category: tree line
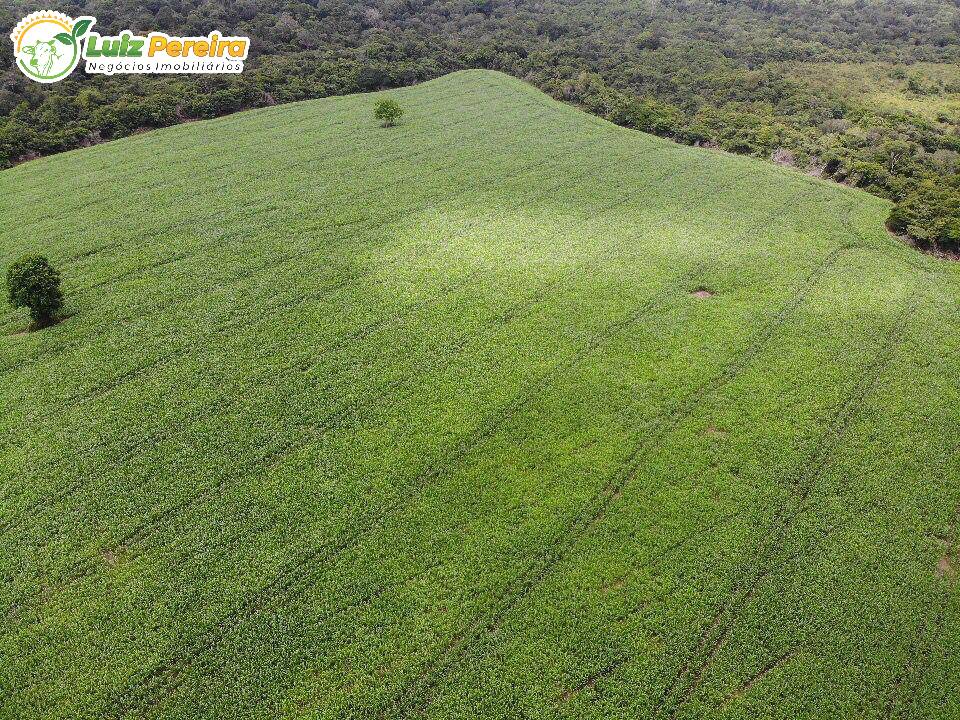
704,72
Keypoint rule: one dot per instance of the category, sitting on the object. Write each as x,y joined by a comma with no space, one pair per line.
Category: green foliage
648,115
33,283
387,111
665,68
930,214
868,175
761,86
465,442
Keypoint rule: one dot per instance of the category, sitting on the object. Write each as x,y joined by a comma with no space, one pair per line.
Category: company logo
49,45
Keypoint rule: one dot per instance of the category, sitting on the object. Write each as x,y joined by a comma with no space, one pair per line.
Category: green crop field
504,412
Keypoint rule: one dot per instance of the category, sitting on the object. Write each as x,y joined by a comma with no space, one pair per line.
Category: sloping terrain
503,412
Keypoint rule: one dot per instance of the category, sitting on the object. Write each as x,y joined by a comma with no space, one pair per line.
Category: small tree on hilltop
388,112
32,282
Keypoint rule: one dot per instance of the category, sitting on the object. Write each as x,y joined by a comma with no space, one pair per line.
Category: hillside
360,422
860,92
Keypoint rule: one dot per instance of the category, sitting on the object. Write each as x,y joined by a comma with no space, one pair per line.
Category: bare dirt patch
946,569
932,251
782,156
703,293
614,585
116,555
714,431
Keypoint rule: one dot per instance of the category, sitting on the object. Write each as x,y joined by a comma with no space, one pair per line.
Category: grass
360,422
885,87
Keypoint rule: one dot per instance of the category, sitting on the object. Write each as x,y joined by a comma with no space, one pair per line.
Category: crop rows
503,412
416,695
455,454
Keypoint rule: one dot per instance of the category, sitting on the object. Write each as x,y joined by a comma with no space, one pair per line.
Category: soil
945,568
931,251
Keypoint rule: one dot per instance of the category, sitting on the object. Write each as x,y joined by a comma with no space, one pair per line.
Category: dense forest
707,72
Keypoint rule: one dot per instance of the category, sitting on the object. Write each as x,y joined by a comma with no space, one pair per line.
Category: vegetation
354,424
387,111
930,90
930,215
746,77
33,283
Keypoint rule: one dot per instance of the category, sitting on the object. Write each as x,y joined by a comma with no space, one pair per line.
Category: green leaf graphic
81,28
64,38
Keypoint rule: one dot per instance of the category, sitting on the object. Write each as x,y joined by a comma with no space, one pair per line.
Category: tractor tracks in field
316,232
417,694
284,581
336,343
287,582
461,450
762,564
312,431
768,667
637,608
288,304
920,656
174,162
290,580
591,680
804,549
715,635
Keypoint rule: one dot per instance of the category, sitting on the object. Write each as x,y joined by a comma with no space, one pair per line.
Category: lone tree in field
33,283
388,112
